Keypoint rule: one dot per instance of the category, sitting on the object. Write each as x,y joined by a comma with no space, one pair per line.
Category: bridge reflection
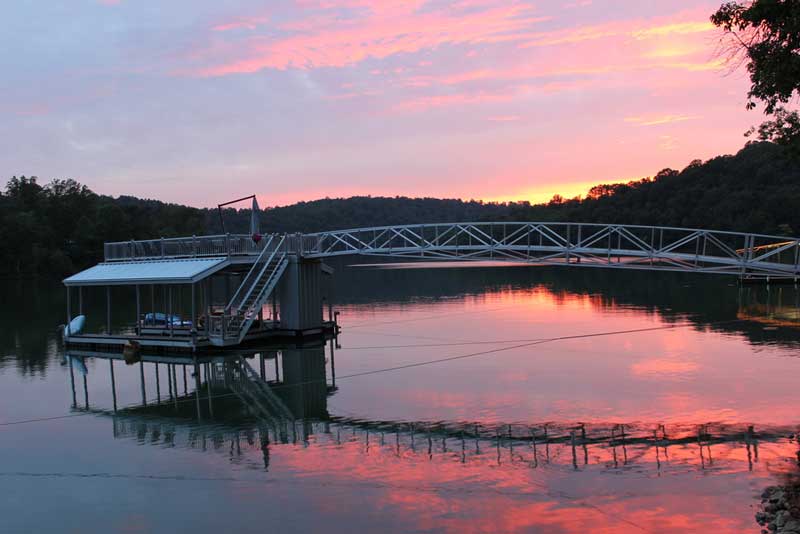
246,404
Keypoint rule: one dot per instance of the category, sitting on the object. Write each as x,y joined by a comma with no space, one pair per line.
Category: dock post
108,310
164,309
169,311
175,386
194,312
69,311
158,386
80,300
583,444
197,388
113,383
207,304
574,454
72,381
169,382
138,311
144,392
208,384
333,365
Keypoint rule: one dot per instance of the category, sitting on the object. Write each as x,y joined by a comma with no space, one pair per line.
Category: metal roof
148,272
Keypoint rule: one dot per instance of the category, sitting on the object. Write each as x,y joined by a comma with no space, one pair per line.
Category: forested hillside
756,190
57,228
355,212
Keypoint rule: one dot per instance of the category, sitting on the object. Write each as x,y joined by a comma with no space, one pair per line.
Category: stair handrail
243,312
268,280
249,281
277,271
275,402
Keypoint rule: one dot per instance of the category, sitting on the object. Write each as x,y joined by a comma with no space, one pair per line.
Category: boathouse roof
174,271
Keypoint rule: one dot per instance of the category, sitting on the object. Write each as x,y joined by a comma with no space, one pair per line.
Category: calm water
464,400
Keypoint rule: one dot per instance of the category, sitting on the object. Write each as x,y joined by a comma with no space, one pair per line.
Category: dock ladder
250,296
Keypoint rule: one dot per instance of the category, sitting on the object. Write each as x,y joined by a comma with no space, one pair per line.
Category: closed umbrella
255,222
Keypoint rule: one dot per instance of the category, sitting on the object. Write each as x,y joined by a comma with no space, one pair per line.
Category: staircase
246,384
252,293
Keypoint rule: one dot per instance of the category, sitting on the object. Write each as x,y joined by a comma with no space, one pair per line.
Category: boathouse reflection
247,402
265,383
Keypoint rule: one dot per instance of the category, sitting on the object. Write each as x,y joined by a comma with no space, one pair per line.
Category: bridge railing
593,244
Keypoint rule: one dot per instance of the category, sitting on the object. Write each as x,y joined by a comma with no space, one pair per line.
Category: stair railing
253,275
248,317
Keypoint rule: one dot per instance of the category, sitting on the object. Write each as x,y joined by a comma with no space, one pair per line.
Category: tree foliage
60,227
783,129
765,35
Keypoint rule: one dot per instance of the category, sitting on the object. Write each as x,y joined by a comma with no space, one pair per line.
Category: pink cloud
503,118
636,29
250,23
325,39
657,120
456,99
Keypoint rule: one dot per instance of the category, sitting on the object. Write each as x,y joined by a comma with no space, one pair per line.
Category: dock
204,293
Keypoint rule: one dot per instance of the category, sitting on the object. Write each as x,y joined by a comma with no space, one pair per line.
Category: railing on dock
189,247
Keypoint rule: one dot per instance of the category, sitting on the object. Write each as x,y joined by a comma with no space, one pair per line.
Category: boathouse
195,292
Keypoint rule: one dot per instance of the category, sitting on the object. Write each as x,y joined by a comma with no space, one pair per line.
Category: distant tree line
60,227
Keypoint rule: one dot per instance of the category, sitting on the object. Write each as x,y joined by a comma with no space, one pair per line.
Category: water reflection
267,411
666,430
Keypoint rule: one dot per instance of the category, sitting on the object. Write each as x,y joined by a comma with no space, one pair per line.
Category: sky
201,101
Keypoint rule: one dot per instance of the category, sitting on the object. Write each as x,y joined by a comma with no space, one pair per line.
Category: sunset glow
197,102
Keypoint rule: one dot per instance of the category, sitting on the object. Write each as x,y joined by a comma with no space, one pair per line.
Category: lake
456,399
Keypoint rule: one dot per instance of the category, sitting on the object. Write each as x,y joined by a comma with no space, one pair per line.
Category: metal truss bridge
616,246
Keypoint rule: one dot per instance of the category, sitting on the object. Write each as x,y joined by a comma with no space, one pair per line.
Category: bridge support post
300,296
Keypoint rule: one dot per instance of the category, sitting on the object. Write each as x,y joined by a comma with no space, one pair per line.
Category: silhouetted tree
765,35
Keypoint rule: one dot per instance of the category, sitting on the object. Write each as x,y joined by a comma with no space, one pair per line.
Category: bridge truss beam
578,244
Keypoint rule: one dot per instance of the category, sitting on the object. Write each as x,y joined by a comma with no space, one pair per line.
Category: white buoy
75,326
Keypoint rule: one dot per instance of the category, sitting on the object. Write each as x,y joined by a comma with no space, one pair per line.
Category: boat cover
183,271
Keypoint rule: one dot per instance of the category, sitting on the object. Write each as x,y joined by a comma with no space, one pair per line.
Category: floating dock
220,291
